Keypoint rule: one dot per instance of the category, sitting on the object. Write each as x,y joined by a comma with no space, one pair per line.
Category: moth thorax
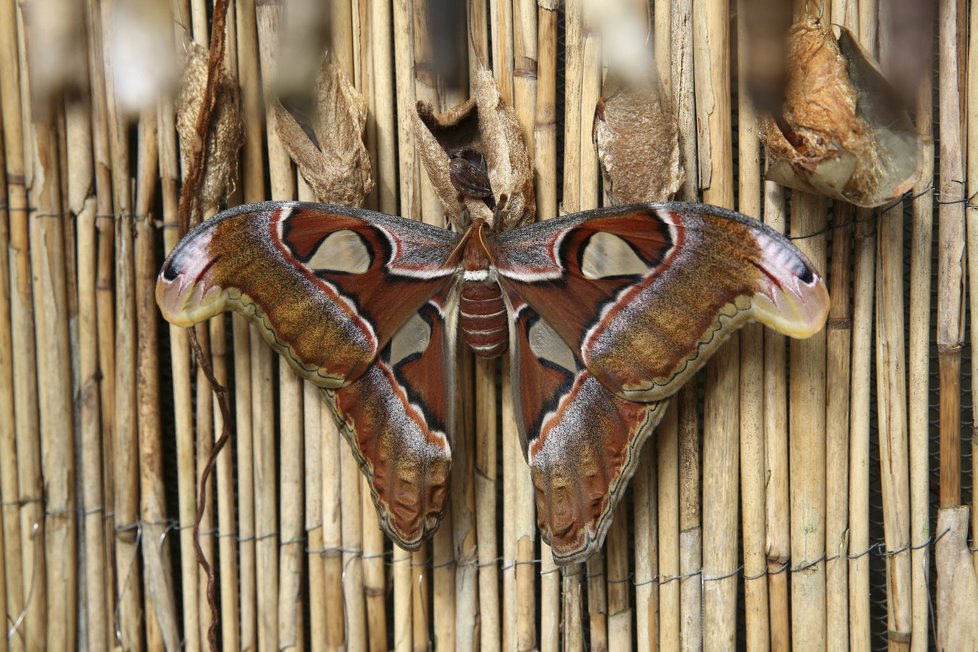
483,315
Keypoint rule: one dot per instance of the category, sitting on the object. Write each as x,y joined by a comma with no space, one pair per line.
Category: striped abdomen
483,315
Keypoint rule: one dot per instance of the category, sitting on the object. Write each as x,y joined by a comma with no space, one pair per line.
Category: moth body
482,311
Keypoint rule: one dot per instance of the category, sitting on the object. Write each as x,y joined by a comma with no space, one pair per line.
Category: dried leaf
637,138
226,133
841,133
328,145
483,126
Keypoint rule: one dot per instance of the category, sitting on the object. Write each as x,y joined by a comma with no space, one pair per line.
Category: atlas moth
604,314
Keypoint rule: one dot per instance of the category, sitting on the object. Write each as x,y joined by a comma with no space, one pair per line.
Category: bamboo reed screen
788,499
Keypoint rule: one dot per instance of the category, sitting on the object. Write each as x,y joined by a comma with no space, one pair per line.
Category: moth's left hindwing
328,286
397,418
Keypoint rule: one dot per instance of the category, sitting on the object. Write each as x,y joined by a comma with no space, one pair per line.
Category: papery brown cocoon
328,147
483,128
842,132
226,132
637,137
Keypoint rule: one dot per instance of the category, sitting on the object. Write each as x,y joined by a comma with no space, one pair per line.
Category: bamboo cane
282,187
365,60
420,598
806,424
752,435
104,301
290,625
332,448
28,629
950,287
862,325
523,33
181,386
570,200
972,252
667,475
485,501
11,582
159,589
291,631
410,206
253,183
619,580
838,377
570,608
128,629
690,530
545,159
891,397
312,478
644,500
918,361
721,407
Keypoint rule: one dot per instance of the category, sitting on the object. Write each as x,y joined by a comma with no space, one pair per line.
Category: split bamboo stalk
12,600
570,608
972,234
485,501
545,161
721,413
268,18
426,89
838,377
689,633
364,64
570,200
644,500
690,529
806,424
589,58
410,206
103,293
225,504
54,395
478,37
156,561
312,479
619,578
420,611
918,363
950,281
332,448
29,629
125,488
290,607
341,28
859,440
181,386
753,475
443,584
291,630
253,186
667,475
466,572
776,453
891,398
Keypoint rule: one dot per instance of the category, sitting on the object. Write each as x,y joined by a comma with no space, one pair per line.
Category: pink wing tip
184,295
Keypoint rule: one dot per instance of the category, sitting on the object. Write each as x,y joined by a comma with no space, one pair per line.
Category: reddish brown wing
327,285
581,441
645,294
397,418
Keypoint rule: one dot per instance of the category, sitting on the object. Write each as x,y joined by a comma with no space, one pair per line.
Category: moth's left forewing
398,418
581,441
645,294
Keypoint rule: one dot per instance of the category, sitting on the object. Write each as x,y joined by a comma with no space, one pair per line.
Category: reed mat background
788,500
